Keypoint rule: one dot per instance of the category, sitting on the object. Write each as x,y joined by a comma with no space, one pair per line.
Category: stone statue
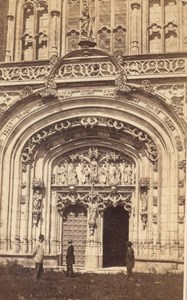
62,174
37,198
93,212
94,171
115,174
144,201
128,173
72,174
103,174
86,22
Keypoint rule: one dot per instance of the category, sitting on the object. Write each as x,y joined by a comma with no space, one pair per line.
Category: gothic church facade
93,96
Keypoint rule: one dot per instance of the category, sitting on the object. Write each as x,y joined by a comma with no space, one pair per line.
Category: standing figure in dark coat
129,260
70,259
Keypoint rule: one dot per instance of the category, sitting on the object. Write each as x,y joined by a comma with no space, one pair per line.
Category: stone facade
92,139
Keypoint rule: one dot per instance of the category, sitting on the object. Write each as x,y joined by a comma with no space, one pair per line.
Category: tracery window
34,38
163,26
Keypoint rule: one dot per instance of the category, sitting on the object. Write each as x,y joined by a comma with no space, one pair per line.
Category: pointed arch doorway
115,234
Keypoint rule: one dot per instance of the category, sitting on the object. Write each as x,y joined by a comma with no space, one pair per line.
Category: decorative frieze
24,73
155,67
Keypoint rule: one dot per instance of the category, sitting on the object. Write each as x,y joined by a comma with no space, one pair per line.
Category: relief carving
95,167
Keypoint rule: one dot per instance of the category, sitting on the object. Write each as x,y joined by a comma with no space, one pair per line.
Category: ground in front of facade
16,283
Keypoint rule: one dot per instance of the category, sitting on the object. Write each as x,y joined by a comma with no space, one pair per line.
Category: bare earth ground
16,282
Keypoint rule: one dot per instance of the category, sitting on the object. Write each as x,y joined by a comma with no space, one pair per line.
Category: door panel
75,228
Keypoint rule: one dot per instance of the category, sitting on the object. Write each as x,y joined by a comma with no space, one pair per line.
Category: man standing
129,260
70,259
38,256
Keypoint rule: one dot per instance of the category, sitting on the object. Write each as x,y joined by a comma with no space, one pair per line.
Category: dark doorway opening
115,235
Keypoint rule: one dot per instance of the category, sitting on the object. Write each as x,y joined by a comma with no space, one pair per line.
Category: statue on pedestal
87,23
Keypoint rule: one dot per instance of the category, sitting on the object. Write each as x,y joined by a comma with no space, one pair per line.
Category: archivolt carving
113,124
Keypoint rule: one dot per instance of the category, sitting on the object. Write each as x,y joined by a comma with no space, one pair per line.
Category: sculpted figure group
91,172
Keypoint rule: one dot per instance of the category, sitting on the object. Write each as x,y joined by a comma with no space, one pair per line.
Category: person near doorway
129,260
70,259
38,255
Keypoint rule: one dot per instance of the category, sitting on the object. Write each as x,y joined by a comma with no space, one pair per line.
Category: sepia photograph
93,149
